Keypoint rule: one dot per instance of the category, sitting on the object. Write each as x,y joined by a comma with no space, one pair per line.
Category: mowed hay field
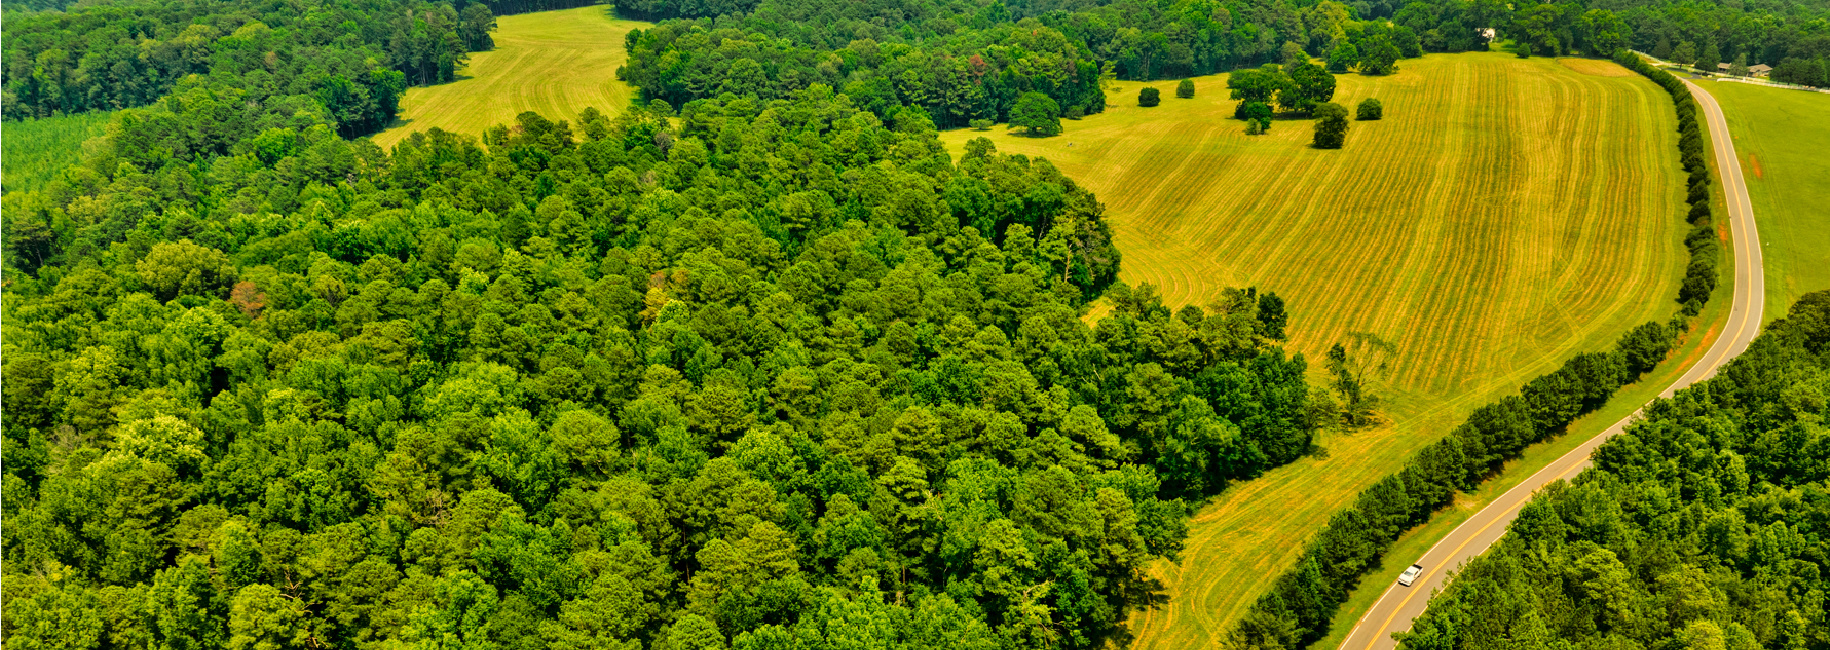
555,63
1505,215
1783,139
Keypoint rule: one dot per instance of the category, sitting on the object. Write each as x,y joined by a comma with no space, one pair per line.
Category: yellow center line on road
1712,360
1428,572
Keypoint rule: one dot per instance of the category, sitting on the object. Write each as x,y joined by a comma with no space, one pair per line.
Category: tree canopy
1039,115
1704,525
759,372
1149,96
1330,125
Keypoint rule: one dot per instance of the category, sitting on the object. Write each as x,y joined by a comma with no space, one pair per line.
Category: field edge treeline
1302,602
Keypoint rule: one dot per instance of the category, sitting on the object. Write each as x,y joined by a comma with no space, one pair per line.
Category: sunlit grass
1505,215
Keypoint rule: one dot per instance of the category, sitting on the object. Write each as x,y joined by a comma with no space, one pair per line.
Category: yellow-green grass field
34,151
1782,136
1505,215
556,63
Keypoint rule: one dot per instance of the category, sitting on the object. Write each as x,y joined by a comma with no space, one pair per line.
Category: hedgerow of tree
1704,525
1303,602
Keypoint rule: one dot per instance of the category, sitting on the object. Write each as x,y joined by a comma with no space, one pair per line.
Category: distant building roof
1759,69
1721,66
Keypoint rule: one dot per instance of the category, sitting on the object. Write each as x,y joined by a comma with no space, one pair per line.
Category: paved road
1396,608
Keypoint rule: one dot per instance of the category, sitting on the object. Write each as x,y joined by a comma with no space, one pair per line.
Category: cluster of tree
1805,72
1702,240
1374,50
965,75
352,60
1295,88
1704,525
1302,602
758,375
973,60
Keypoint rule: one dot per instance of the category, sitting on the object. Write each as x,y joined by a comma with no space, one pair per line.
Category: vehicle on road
1410,575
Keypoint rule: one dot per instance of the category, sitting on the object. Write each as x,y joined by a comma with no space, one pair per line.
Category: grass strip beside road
1782,136
1465,228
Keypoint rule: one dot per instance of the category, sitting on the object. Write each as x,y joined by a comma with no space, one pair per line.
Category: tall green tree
1330,125
1037,114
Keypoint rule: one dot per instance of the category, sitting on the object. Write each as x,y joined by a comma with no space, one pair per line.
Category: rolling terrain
1780,137
556,63
1466,232
1395,610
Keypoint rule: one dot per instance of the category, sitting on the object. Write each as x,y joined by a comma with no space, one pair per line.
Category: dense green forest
1705,525
349,60
39,150
776,375
972,59
768,371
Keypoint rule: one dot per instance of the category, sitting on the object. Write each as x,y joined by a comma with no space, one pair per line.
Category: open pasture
1781,136
1505,215
556,63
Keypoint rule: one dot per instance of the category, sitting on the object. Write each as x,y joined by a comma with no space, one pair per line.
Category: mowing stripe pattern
556,63
1504,215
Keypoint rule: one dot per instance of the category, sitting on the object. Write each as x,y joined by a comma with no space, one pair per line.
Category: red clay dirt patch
1595,67
1755,162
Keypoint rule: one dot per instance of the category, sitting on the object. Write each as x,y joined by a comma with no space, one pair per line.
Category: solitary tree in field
1149,97
1739,67
1252,128
1524,49
1330,125
1037,113
1343,57
1186,89
980,124
1370,109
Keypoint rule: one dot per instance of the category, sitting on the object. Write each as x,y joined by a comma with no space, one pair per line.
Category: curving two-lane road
1396,608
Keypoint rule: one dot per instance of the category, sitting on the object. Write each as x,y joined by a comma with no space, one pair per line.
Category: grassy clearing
36,150
1506,214
554,62
1781,136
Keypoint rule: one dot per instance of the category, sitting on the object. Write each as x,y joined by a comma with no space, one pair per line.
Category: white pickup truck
1410,575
